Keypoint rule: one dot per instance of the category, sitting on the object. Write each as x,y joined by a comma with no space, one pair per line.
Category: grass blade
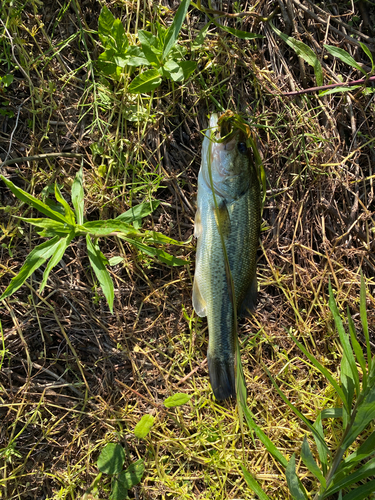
322,370
295,487
344,339
310,463
365,471
363,314
365,450
297,412
69,214
304,51
365,414
78,196
344,57
98,228
271,448
254,485
101,271
34,202
139,211
35,259
322,450
56,257
174,29
357,349
348,387
163,256
366,50
362,492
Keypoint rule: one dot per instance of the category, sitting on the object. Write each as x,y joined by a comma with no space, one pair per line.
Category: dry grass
75,377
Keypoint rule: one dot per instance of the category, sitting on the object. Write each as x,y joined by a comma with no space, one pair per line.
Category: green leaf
254,485
78,196
145,82
113,261
271,448
111,459
174,29
118,490
118,39
69,214
34,202
344,56
100,271
52,225
35,259
177,399
363,314
344,339
149,47
144,426
365,414
362,492
292,479
179,71
338,89
99,228
365,450
304,51
357,348
155,237
56,257
132,475
322,370
105,23
6,80
348,388
139,211
332,413
310,463
134,57
106,62
366,50
244,35
365,471
163,256
322,450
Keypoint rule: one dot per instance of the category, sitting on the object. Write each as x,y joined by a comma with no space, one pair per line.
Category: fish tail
222,376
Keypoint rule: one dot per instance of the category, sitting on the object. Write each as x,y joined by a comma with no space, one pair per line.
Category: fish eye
242,147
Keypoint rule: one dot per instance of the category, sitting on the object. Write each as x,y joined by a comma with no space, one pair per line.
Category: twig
40,157
181,381
332,86
12,134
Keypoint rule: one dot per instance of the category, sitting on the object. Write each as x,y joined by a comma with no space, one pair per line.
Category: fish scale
238,198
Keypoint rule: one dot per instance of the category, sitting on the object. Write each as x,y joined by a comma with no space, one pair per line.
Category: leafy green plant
345,467
161,52
111,462
62,224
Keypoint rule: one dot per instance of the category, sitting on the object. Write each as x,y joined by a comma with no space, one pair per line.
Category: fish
237,191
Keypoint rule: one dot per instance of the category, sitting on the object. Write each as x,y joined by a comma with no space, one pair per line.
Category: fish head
224,149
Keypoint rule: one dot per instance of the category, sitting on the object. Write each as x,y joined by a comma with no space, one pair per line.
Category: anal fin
199,303
249,302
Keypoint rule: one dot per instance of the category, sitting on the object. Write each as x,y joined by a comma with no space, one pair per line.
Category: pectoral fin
222,218
249,302
198,302
197,224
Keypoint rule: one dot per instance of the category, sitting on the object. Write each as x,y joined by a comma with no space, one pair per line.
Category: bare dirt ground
73,376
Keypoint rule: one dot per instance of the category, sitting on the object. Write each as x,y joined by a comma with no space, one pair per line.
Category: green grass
74,377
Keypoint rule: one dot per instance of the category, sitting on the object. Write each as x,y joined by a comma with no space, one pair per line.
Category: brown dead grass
74,376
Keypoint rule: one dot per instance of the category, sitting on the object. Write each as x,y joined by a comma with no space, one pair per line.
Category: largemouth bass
237,194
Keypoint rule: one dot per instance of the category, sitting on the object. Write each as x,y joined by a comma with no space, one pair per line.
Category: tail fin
222,377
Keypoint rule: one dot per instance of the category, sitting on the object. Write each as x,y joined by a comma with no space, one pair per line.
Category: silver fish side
237,193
